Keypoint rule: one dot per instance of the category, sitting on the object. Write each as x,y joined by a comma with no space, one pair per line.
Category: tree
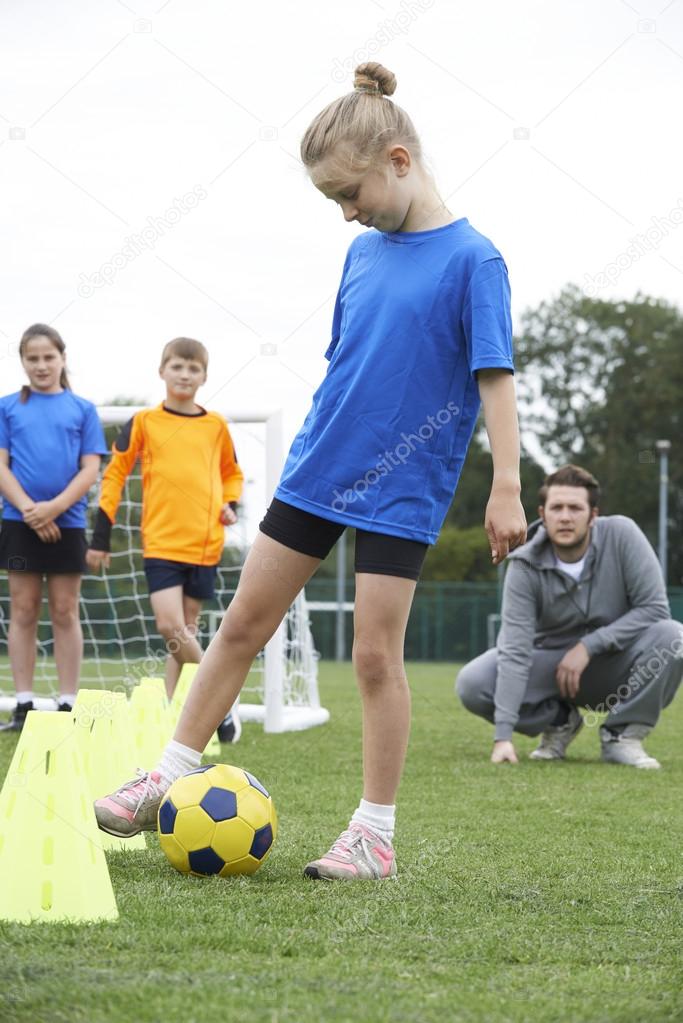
601,381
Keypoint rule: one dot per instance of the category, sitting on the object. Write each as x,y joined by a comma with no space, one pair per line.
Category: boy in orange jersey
191,483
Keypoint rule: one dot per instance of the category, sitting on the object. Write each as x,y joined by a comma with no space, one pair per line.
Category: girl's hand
505,523
228,516
96,560
50,533
40,514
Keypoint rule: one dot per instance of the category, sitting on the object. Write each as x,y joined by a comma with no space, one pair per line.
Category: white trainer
626,747
554,741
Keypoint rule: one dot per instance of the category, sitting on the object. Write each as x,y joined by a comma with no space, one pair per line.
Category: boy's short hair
185,348
571,476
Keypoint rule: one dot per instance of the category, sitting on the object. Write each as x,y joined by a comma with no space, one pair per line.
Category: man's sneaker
554,741
359,854
132,808
18,719
230,727
626,747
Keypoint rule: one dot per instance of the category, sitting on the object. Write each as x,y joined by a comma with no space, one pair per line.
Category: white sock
69,698
176,760
377,816
25,696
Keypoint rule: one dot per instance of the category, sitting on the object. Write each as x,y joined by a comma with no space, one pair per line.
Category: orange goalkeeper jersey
189,471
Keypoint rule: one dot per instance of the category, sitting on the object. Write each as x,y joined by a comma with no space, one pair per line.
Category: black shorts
376,553
197,581
22,550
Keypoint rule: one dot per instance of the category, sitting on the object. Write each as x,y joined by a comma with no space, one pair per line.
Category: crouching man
585,623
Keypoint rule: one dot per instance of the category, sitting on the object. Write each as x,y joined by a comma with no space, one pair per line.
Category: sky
151,185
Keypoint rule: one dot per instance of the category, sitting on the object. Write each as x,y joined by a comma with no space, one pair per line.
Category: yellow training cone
155,683
182,689
97,743
150,725
52,867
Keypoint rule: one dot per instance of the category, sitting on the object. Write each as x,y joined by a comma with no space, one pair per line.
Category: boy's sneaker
132,808
18,719
230,727
554,741
626,747
359,854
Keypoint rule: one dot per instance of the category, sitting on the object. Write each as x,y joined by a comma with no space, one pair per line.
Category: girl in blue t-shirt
50,446
421,333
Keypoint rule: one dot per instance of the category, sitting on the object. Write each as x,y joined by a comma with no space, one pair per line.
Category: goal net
121,644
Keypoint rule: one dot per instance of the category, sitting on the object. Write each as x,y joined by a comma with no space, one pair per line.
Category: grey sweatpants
632,685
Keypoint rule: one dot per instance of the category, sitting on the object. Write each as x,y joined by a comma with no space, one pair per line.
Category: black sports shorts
376,553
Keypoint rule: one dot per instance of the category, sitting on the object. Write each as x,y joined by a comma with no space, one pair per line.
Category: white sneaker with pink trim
359,854
132,808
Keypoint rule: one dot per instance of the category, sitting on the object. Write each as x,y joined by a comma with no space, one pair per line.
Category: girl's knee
244,632
63,613
25,612
375,661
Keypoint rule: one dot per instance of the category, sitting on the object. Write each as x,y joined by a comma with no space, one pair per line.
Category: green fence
448,621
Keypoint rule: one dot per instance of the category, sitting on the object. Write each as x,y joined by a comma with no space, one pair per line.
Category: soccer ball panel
253,807
177,856
232,839
205,862
220,804
263,840
247,865
167,816
256,784
193,829
190,789
228,777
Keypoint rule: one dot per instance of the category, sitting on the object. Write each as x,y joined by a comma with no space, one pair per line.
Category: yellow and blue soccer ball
217,819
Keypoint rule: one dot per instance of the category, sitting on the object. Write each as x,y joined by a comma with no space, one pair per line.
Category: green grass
537,893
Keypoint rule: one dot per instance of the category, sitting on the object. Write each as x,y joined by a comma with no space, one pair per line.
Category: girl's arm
39,514
10,487
505,521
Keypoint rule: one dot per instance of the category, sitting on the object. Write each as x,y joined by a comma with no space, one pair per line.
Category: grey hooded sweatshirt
620,592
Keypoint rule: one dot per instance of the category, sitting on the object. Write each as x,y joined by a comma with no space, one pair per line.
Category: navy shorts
375,553
197,581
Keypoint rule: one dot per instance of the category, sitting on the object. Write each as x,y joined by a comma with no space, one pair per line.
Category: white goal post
281,691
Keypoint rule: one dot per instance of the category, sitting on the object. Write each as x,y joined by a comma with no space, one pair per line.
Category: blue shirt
46,437
384,442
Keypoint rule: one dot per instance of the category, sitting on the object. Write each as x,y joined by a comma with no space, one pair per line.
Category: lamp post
663,447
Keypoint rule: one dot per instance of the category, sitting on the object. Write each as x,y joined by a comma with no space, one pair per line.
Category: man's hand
504,753
95,560
50,533
569,670
228,516
505,522
40,514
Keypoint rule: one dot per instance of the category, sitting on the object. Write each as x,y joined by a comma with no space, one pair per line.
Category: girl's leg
25,591
63,593
182,646
270,580
381,614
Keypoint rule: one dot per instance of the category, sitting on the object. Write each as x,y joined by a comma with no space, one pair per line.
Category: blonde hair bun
376,78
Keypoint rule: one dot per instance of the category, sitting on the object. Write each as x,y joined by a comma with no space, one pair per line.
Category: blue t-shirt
46,437
384,442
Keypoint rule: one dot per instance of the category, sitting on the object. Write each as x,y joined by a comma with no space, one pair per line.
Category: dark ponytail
42,330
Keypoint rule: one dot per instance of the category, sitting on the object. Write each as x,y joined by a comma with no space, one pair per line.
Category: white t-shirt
572,568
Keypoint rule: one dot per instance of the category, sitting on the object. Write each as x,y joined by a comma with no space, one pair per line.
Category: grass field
537,893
